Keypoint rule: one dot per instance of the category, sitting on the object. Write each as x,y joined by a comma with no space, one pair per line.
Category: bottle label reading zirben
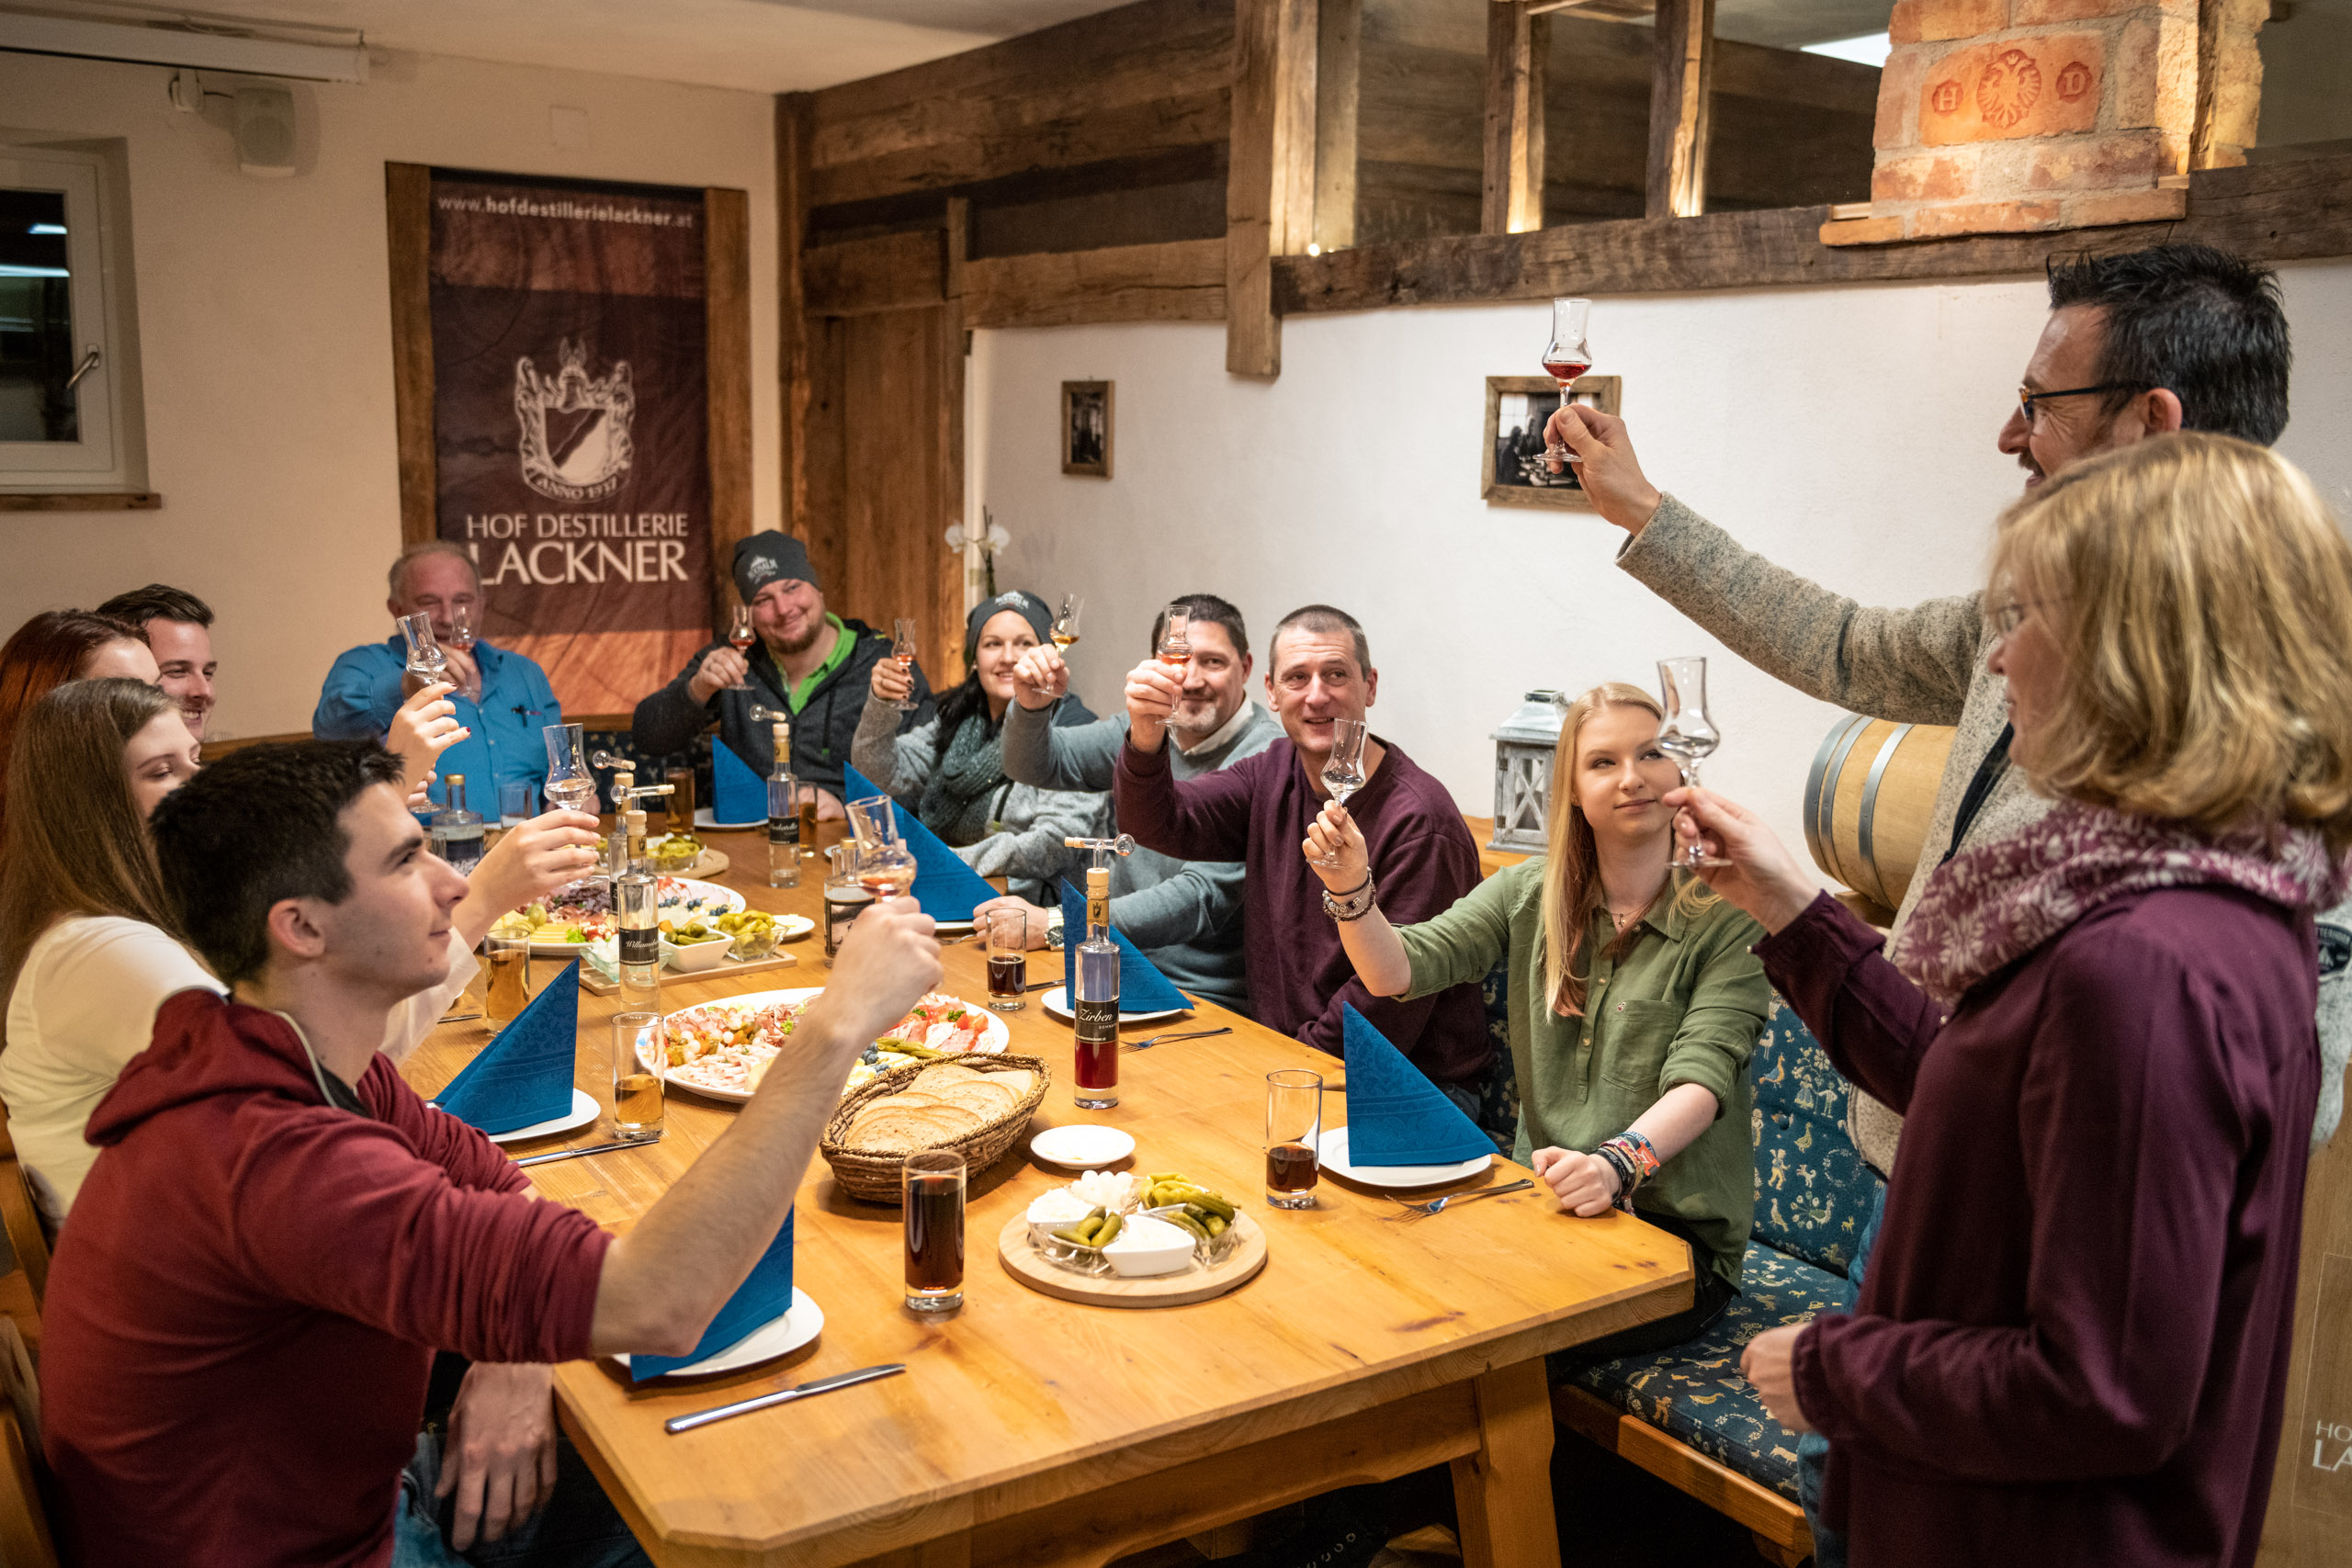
1098,1023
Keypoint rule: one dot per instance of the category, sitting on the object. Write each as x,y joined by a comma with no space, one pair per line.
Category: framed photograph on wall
1086,428
1513,470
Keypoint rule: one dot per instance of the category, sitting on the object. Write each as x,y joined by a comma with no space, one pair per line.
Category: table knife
591,1149
781,1396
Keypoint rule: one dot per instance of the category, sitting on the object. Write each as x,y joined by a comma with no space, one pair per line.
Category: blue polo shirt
363,693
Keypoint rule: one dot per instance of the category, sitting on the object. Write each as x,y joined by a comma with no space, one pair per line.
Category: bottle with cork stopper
784,833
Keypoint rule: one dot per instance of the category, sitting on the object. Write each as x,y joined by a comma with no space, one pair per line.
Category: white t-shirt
84,1004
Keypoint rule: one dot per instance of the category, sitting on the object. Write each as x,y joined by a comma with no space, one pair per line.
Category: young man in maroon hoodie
278,1234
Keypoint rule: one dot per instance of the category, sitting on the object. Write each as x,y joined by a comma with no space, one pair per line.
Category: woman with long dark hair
1639,1104
950,771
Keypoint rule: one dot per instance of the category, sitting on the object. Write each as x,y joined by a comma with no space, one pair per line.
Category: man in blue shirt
502,698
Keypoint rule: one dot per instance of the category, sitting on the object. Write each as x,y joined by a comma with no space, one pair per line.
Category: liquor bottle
783,814
637,906
1094,1000
456,832
845,897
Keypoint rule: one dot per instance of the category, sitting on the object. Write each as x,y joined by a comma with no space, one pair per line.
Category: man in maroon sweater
1319,669
278,1233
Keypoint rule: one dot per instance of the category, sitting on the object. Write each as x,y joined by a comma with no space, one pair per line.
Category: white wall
1846,433
265,334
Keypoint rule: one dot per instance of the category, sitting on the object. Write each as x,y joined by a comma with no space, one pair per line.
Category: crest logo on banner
575,442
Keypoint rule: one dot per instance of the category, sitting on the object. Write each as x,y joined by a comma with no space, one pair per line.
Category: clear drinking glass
844,899
1293,1132
513,802
1687,733
682,800
506,979
740,635
1007,938
931,1184
902,649
1065,633
425,661
637,1088
1566,357
1343,769
1176,640
570,786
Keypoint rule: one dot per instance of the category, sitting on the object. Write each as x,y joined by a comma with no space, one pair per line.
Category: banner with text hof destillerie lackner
571,422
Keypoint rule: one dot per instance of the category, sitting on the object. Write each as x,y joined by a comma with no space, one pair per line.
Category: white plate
1083,1146
1331,1154
703,819
778,1336
715,900
583,1111
1056,1001
992,1041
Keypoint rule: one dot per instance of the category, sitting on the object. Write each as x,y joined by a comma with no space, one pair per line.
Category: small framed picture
1512,469
1086,428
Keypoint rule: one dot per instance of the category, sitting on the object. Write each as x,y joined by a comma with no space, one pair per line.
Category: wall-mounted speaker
266,131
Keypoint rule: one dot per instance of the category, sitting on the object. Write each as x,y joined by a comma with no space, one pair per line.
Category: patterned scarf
1990,906
955,798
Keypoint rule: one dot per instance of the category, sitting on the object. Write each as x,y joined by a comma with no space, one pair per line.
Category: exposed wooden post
1517,43
1681,87
727,336
1269,190
794,131
1339,58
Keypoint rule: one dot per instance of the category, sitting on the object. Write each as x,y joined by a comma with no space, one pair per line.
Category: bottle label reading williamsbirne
1098,1023
784,829
640,944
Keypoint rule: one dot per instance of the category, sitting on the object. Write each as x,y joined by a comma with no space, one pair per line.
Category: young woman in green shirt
1634,1002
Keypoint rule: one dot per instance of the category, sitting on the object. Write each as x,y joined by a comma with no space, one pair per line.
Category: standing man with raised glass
2138,345
1185,915
502,698
180,632
808,662
1258,811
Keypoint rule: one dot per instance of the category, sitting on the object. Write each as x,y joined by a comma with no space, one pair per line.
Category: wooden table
1040,1432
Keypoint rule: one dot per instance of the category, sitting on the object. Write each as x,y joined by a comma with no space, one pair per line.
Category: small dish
694,958
1146,1247
1083,1146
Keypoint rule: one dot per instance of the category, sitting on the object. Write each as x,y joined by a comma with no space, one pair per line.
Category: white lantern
1523,747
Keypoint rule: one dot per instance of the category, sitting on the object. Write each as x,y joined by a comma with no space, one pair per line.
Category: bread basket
871,1170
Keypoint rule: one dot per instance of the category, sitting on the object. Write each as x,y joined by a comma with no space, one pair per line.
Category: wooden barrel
1867,801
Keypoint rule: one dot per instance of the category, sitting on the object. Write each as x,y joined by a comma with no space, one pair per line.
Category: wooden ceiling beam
1682,92
1269,190
1518,45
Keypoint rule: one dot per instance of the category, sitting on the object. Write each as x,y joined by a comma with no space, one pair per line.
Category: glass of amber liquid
682,799
506,979
637,1088
1008,935
1294,1130
933,1185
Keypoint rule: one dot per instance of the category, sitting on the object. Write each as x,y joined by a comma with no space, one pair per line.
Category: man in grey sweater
2136,345
1185,915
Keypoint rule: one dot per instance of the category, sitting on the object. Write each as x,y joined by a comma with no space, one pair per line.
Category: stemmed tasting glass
885,866
1566,357
1065,632
461,627
1688,734
902,649
1176,640
426,662
570,786
1343,769
739,636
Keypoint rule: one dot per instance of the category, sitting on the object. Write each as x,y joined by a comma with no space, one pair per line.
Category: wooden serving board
1021,1260
595,983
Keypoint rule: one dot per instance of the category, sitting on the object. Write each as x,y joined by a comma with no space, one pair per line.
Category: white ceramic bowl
693,957
1146,1247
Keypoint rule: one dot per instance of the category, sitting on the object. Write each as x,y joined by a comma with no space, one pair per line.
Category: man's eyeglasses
2027,400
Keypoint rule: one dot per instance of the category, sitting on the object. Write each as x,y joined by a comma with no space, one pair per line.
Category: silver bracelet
1354,906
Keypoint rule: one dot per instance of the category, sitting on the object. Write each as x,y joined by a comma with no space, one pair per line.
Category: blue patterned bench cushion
1694,1391
1814,1192
1498,1090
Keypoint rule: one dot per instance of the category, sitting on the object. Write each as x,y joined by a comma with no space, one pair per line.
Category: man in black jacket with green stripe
807,662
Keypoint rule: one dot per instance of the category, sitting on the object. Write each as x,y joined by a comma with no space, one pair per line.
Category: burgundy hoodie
245,1302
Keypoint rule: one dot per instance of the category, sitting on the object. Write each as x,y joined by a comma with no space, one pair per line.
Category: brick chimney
2004,116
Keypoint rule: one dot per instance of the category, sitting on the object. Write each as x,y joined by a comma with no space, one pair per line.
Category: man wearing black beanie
807,662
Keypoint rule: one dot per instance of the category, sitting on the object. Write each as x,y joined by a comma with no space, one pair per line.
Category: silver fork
1163,1038
1437,1205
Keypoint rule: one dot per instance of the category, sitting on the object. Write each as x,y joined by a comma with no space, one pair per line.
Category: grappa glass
570,786
1176,640
1687,733
902,649
1343,769
425,661
1065,632
741,635
885,866
1566,357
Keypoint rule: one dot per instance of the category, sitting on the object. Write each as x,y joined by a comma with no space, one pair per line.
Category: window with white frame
63,415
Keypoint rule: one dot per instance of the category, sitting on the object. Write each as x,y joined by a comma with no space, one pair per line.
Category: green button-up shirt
1685,1005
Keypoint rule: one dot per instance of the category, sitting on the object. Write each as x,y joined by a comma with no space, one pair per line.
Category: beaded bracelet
1635,1160
1353,905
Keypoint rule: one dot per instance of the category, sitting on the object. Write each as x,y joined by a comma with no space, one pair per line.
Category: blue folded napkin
757,1301
524,1076
1396,1116
1142,987
737,794
944,885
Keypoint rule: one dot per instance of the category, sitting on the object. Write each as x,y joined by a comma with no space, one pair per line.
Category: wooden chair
1686,1415
21,1216
24,1541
